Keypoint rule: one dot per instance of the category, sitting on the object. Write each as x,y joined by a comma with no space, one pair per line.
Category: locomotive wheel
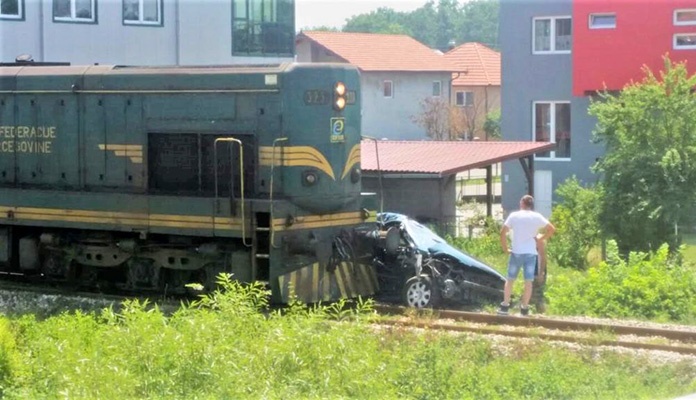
420,292
142,274
54,266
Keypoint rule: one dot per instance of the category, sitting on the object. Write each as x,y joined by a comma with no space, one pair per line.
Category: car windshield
423,237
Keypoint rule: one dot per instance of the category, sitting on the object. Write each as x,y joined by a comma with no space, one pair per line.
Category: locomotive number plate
316,97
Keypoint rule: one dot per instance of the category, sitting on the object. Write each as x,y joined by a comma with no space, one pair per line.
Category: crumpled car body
423,270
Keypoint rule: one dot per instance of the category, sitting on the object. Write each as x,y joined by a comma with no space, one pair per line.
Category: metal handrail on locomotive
150,178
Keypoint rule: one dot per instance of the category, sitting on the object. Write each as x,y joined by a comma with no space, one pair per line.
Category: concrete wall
391,118
307,51
21,36
527,78
486,99
193,33
426,198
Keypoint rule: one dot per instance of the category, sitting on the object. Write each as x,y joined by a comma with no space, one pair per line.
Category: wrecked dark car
420,269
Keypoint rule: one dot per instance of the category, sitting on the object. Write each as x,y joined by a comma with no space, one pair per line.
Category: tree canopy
649,169
435,25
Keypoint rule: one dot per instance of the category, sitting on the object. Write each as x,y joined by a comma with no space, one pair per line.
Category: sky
314,13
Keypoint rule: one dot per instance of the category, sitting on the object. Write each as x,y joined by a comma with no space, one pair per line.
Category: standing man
524,224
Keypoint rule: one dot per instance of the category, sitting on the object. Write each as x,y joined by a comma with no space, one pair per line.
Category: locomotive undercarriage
106,262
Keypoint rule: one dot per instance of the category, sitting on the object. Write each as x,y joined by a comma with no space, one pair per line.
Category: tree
649,169
577,223
492,125
441,120
448,16
384,20
421,22
479,23
323,28
435,26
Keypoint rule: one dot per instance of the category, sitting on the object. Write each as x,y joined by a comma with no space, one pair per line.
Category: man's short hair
528,201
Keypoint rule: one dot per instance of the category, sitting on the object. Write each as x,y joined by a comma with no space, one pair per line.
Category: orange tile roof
380,52
442,158
481,63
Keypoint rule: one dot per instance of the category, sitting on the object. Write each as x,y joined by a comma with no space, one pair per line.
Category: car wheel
420,292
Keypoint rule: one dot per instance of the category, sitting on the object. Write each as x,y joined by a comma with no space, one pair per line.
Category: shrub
228,345
10,360
653,286
577,224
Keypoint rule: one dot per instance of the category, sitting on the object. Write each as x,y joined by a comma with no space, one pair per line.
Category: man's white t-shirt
525,225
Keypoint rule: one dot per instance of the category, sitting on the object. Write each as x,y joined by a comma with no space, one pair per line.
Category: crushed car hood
426,240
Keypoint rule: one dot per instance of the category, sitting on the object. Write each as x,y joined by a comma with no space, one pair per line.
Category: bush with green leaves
649,169
486,243
230,345
648,286
10,358
576,219
492,125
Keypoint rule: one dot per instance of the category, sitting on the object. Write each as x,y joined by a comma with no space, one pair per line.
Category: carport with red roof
418,178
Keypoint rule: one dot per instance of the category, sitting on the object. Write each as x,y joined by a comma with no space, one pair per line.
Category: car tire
420,292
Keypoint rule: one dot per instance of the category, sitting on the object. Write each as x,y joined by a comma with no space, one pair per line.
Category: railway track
680,341
40,298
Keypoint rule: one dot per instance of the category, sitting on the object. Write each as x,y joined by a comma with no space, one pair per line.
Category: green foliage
485,243
209,349
492,125
384,20
652,286
576,220
486,239
435,25
649,169
323,28
10,359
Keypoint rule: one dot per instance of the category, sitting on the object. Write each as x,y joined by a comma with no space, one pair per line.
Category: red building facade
614,39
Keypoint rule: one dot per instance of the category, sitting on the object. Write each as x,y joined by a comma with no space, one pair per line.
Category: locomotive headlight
339,96
355,175
340,89
309,178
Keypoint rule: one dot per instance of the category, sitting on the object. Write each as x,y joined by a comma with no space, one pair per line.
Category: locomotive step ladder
262,245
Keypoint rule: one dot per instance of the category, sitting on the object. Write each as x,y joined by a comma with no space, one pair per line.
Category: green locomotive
150,178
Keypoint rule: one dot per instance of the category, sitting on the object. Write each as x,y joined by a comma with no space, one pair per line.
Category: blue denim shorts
528,261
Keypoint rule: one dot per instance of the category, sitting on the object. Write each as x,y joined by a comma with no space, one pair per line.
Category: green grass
226,347
689,254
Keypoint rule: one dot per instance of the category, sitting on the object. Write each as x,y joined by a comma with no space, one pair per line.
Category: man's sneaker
504,309
524,311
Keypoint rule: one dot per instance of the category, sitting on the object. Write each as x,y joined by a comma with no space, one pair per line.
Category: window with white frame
74,11
552,35
388,89
684,41
685,17
142,12
464,99
264,28
437,88
603,21
11,9
551,123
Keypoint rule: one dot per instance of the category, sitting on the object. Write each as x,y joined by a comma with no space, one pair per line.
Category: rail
493,323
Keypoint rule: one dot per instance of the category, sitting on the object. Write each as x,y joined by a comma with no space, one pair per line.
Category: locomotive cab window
184,164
